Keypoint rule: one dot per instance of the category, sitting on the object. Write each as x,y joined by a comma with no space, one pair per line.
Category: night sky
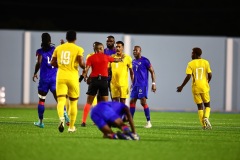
170,17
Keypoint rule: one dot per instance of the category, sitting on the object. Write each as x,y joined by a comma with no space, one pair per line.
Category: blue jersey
47,71
105,113
109,52
140,69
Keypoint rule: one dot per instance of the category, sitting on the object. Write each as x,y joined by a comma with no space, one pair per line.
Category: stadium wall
169,56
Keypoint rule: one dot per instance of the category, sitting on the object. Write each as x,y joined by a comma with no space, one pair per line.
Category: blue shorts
139,92
103,115
46,85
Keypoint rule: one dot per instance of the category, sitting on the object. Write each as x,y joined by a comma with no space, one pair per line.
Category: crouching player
109,114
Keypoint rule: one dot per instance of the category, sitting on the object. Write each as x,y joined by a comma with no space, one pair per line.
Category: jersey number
136,67
199,73
49,61
65,57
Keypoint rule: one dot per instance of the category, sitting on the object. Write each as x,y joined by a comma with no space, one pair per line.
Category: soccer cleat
148,125
121,135
72,130
134,136
38,124
208,124
131,135
83,124
61,127
66,118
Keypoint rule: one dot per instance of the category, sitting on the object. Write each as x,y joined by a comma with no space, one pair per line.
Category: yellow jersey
120,70
68,66
199,69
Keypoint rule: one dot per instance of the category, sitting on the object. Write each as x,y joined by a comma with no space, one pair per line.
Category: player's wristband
81,78
153,83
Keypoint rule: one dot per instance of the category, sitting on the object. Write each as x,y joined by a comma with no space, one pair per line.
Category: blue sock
132,109
147,112
41,110
125,129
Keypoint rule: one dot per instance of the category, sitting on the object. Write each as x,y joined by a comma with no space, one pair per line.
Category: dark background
169,17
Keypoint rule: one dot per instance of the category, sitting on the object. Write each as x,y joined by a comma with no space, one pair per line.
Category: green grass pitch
174,136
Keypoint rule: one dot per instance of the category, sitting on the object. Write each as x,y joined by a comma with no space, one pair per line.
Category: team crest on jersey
139,63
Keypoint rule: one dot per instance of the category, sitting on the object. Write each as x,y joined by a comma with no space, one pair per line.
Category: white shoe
208,124
148,125
72,130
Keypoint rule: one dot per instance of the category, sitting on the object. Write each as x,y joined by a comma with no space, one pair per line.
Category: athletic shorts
98,86
119,92
68,87
103,115
139,92
46,85
201,97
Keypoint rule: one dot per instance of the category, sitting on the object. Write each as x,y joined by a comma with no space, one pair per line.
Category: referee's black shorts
99,86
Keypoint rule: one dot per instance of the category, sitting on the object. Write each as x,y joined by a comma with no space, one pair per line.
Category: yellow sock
207,112
73,112
94,101
60,106
200,115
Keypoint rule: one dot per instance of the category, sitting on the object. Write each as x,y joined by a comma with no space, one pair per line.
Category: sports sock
66,107
94,101
146,112
200,115
132,108
73,113
41,109
207,112
85,112
125,129
65,113
60,106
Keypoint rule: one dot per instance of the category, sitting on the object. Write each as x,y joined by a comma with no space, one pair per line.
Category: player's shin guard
41,109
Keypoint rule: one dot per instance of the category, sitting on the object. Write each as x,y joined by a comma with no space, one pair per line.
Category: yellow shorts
119,92
68,87
201,97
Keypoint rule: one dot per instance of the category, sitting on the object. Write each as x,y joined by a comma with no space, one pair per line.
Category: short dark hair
197,50
71,35
110,37
95,43
120,42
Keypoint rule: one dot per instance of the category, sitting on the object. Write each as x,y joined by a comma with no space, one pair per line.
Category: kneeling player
108,114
